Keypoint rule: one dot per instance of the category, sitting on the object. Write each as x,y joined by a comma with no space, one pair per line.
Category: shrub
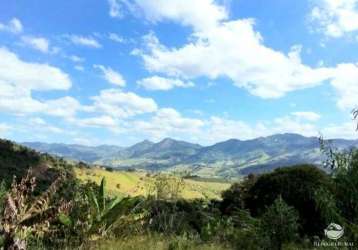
25,215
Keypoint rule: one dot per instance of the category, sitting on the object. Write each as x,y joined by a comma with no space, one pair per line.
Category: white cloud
13,26
34,76
19,78
85,41
345,130
111,75
221,129
235,50
119,104
161,83
38,43
99,121
307,115
336,18
66,107
168,122
346,84
199,14
115,37
41,125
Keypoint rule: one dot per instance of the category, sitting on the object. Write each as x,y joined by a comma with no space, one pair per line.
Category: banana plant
108,212
102,206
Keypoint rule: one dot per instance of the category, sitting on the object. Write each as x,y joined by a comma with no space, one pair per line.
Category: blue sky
120,71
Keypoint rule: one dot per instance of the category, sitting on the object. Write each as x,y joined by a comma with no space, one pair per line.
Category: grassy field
123,183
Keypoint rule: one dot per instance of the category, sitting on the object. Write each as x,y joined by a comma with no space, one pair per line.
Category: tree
234,197
279,224
297,185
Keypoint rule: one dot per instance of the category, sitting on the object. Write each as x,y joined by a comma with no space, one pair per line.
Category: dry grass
122,183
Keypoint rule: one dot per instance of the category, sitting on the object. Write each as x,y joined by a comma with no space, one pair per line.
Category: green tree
279,224
297,185
233,199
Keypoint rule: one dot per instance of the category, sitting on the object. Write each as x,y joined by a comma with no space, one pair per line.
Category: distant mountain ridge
224,159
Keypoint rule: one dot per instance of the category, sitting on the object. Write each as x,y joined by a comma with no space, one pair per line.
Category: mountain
153,156
75,152
230,158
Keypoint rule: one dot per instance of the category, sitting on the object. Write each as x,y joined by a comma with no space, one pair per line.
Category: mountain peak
167,140
144,143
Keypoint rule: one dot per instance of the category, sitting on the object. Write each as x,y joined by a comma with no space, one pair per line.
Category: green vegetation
78,207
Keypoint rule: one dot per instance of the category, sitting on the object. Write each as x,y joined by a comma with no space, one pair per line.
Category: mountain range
228,159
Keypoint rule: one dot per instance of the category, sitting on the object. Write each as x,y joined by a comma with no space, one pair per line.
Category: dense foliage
288,208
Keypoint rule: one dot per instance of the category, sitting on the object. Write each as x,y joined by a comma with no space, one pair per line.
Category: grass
154,242
123,183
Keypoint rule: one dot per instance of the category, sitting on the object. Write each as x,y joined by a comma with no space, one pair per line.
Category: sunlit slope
123,183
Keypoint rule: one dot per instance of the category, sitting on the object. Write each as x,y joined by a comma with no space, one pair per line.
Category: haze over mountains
227,159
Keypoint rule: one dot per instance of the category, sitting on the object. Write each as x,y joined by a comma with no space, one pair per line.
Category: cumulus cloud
168,122
111,75
38,43
335,18
346,84
235,50
85,41
119,104
19,78
13,26
199,14
162,83
35,76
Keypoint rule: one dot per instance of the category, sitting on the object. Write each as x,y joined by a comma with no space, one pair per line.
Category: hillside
124,183
16,159
228,159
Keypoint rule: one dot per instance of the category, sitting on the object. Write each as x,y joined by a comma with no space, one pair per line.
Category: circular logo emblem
334,231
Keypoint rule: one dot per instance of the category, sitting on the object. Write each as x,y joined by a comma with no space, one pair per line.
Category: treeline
286,209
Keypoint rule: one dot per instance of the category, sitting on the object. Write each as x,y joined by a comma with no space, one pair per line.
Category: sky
120,71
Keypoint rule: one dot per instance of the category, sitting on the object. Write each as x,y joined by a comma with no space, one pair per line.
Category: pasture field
125,183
